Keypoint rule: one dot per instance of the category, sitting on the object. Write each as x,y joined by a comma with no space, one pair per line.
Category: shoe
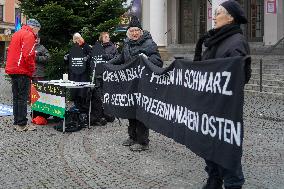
21,128
139,147
233,187
100,122
109,118
213,183
128,142
32,127
103,121
83,120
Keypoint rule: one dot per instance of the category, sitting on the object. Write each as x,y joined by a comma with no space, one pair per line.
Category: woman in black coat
138,42
225,40
142,43
109,47
98,116
81,74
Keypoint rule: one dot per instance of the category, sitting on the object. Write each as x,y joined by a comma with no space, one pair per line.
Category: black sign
199,104
77,65
97,59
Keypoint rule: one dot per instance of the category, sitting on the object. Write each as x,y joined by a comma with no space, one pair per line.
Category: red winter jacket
21,52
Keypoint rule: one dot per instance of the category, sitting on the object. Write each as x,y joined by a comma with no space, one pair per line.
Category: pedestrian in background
20,67
225,40
138,42
42,56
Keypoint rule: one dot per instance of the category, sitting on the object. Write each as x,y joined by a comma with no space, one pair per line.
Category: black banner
198,104
76,60
97,59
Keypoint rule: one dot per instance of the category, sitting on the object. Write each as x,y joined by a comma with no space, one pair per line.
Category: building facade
183,21
9,11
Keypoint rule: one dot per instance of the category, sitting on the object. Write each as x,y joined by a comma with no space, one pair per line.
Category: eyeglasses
134,30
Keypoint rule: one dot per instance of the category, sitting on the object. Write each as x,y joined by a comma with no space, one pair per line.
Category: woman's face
134,33
78,40
221,18
106,38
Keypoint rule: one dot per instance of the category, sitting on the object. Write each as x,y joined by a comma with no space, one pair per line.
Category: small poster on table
77,65
48,99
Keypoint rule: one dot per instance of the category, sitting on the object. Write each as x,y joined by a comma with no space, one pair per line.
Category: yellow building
9,10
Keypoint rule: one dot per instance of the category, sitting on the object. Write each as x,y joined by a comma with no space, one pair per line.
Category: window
17,14
1,13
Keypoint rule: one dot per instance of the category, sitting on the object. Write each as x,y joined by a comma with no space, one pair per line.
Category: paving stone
95,158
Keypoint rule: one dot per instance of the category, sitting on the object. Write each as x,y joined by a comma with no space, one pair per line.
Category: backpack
74,121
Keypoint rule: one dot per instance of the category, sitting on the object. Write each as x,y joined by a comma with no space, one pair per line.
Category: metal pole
91,90
31,100
64,121
260,75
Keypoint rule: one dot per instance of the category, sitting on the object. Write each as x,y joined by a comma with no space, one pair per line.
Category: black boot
128,142
213,183
109,118
98,122
139,147
103,121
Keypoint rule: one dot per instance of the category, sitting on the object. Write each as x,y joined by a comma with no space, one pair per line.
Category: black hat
134,22
236,11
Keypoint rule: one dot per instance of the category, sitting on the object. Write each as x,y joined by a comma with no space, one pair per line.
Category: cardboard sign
48,98
97,59
76,60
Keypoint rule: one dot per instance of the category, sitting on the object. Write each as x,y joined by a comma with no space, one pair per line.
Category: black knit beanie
236,11
134,22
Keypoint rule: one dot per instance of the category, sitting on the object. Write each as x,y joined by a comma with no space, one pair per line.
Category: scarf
213,38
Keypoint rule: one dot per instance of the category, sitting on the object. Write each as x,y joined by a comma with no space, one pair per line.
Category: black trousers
231,178
97,103
97,106
81,103
20,90
138,132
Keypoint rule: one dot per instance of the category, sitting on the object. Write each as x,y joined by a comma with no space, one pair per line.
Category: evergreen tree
61,18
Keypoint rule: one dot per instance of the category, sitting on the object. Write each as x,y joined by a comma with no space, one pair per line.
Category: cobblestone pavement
94,158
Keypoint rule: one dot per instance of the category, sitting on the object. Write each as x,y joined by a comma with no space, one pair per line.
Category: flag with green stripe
48,98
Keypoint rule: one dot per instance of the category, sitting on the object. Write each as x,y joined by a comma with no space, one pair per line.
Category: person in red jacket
20,66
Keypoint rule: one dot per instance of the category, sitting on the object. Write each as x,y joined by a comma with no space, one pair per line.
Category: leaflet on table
66,83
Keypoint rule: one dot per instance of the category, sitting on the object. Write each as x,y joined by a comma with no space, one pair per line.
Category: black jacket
144,45
110,51
85,76
228,41
42,56
234,45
